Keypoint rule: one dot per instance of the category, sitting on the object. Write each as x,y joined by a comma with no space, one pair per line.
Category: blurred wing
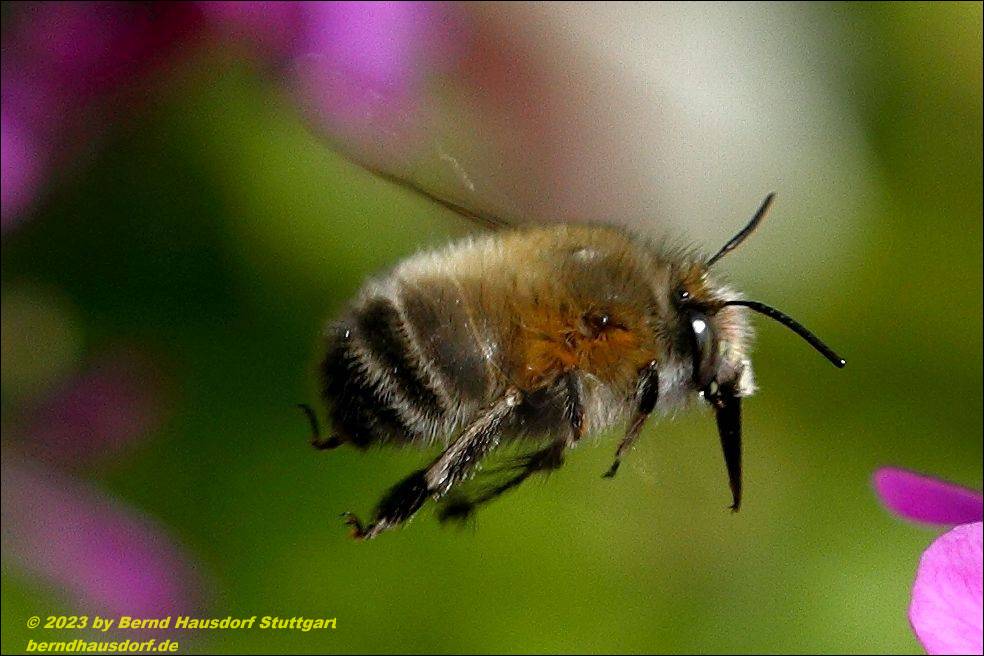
479,217
400,132
451,101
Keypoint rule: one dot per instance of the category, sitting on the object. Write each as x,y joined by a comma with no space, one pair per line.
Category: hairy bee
541,334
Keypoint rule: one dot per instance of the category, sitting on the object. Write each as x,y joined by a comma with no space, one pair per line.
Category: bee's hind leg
318,441
406,497
547,459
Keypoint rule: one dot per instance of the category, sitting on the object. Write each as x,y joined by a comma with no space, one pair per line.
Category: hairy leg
647,393
543,460
546,459
406,497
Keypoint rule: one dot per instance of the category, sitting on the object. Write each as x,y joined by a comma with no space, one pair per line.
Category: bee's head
714,332
713,337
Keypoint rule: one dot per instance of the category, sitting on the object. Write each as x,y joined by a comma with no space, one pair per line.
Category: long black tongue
728,410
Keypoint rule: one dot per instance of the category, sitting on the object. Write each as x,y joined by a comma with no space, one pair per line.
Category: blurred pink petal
926,499
116,401
21,168
376,43
59,57
107,556
88,48
947,596
269,25
362,66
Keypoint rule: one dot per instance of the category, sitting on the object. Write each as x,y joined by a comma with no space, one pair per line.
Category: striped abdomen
403,365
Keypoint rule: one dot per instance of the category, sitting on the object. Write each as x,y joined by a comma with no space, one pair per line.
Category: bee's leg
647,393
407,496
317,440
574,407
543,460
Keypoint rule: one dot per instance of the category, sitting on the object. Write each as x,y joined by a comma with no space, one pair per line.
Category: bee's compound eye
682,296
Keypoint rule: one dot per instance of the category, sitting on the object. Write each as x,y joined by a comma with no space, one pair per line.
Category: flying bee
541,335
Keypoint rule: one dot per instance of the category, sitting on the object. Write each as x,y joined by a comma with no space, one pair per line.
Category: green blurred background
214,232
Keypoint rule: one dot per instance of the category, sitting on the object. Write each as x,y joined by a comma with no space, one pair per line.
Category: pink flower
21,162
94,549
106,556
270,26
947,595
358,67
361,69
58,59
117,400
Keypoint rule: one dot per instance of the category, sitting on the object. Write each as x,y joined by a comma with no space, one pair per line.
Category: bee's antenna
747,230
788,321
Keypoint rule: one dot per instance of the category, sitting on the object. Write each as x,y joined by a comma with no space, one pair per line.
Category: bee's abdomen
376,380
358,413
453,340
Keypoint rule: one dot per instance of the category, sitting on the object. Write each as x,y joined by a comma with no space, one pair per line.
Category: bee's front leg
647,393
406,497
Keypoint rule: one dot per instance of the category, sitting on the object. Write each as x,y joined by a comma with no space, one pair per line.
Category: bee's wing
406,138
454,103
483,218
